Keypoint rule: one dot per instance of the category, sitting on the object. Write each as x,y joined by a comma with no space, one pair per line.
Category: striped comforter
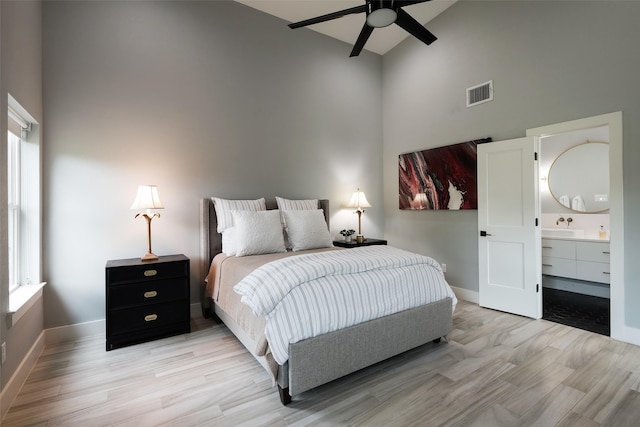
312,294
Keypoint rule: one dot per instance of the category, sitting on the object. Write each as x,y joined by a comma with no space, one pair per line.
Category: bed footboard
322,359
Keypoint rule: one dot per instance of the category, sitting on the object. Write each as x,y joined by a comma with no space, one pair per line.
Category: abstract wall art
440,178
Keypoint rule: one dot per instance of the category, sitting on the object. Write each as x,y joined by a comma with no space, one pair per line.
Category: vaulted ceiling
348,27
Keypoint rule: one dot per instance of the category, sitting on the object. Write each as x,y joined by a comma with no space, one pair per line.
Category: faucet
561,219
569,221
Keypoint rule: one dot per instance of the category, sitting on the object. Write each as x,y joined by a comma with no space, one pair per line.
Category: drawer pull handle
606,252
547,265
150,294
547,247
150,273
150,317
606,272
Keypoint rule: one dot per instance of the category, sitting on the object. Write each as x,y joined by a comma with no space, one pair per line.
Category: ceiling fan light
381,17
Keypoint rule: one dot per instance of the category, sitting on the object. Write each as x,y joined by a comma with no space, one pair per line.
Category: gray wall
551,62
20,72
201,99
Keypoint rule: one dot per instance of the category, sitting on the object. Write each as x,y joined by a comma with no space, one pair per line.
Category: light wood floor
496,370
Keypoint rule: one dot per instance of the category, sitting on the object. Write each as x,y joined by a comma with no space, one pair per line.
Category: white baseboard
466,294
73,332
11,390
626,334
196,310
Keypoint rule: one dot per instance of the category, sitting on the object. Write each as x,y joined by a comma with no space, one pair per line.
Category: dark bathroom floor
577,310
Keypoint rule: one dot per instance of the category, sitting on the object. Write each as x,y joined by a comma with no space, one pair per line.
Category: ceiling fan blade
413,27
362,40
329,16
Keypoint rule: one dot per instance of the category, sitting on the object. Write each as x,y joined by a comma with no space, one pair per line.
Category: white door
510,263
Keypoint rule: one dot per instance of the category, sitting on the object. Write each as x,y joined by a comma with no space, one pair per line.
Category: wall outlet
444,268
4,352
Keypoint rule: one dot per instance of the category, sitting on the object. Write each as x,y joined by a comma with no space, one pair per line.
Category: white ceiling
348,27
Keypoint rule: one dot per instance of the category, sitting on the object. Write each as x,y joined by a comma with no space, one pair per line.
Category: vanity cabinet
592,261
576,259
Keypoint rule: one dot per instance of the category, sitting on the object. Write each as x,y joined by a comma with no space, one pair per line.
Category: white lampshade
358,200
147,198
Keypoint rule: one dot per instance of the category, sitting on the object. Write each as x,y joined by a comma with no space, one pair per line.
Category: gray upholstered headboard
211,240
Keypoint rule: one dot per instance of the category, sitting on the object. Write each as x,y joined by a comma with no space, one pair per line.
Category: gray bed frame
319,360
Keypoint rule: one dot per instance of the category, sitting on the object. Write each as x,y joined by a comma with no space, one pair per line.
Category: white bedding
312,294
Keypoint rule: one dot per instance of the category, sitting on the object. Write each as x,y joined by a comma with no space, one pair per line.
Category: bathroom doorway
567,297
574,199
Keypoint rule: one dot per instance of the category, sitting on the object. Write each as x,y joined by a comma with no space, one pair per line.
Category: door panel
506,275
504,187
510,263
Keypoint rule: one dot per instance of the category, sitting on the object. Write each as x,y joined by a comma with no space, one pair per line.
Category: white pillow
224,208
293,205
307,229
229,241
258,232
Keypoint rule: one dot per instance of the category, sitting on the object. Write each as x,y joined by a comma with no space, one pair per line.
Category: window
13,172
23,197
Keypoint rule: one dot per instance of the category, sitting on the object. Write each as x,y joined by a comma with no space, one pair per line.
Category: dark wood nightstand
354,244
146,300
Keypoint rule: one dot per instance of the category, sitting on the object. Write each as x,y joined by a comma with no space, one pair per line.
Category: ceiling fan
380,13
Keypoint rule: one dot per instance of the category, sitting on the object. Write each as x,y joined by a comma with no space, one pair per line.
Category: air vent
480,94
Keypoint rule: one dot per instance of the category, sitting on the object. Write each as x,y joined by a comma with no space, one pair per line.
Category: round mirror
579,177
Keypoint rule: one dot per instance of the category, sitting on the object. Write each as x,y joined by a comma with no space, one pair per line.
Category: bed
320,359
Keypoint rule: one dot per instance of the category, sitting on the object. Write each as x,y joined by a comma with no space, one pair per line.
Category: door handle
484,233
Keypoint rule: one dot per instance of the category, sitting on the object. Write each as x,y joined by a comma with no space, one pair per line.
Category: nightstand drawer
147,317
151,271
143,293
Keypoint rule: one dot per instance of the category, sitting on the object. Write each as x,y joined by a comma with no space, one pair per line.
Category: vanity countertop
577,239
574,234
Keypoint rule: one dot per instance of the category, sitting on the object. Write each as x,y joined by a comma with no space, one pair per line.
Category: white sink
562,232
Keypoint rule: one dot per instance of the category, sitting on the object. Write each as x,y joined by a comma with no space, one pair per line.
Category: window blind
16,123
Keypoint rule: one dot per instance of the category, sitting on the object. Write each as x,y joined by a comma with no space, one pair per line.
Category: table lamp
359,201
147,198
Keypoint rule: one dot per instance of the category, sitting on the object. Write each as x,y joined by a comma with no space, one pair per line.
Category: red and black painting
440,178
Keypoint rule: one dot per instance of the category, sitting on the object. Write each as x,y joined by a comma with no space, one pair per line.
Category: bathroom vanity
576,259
